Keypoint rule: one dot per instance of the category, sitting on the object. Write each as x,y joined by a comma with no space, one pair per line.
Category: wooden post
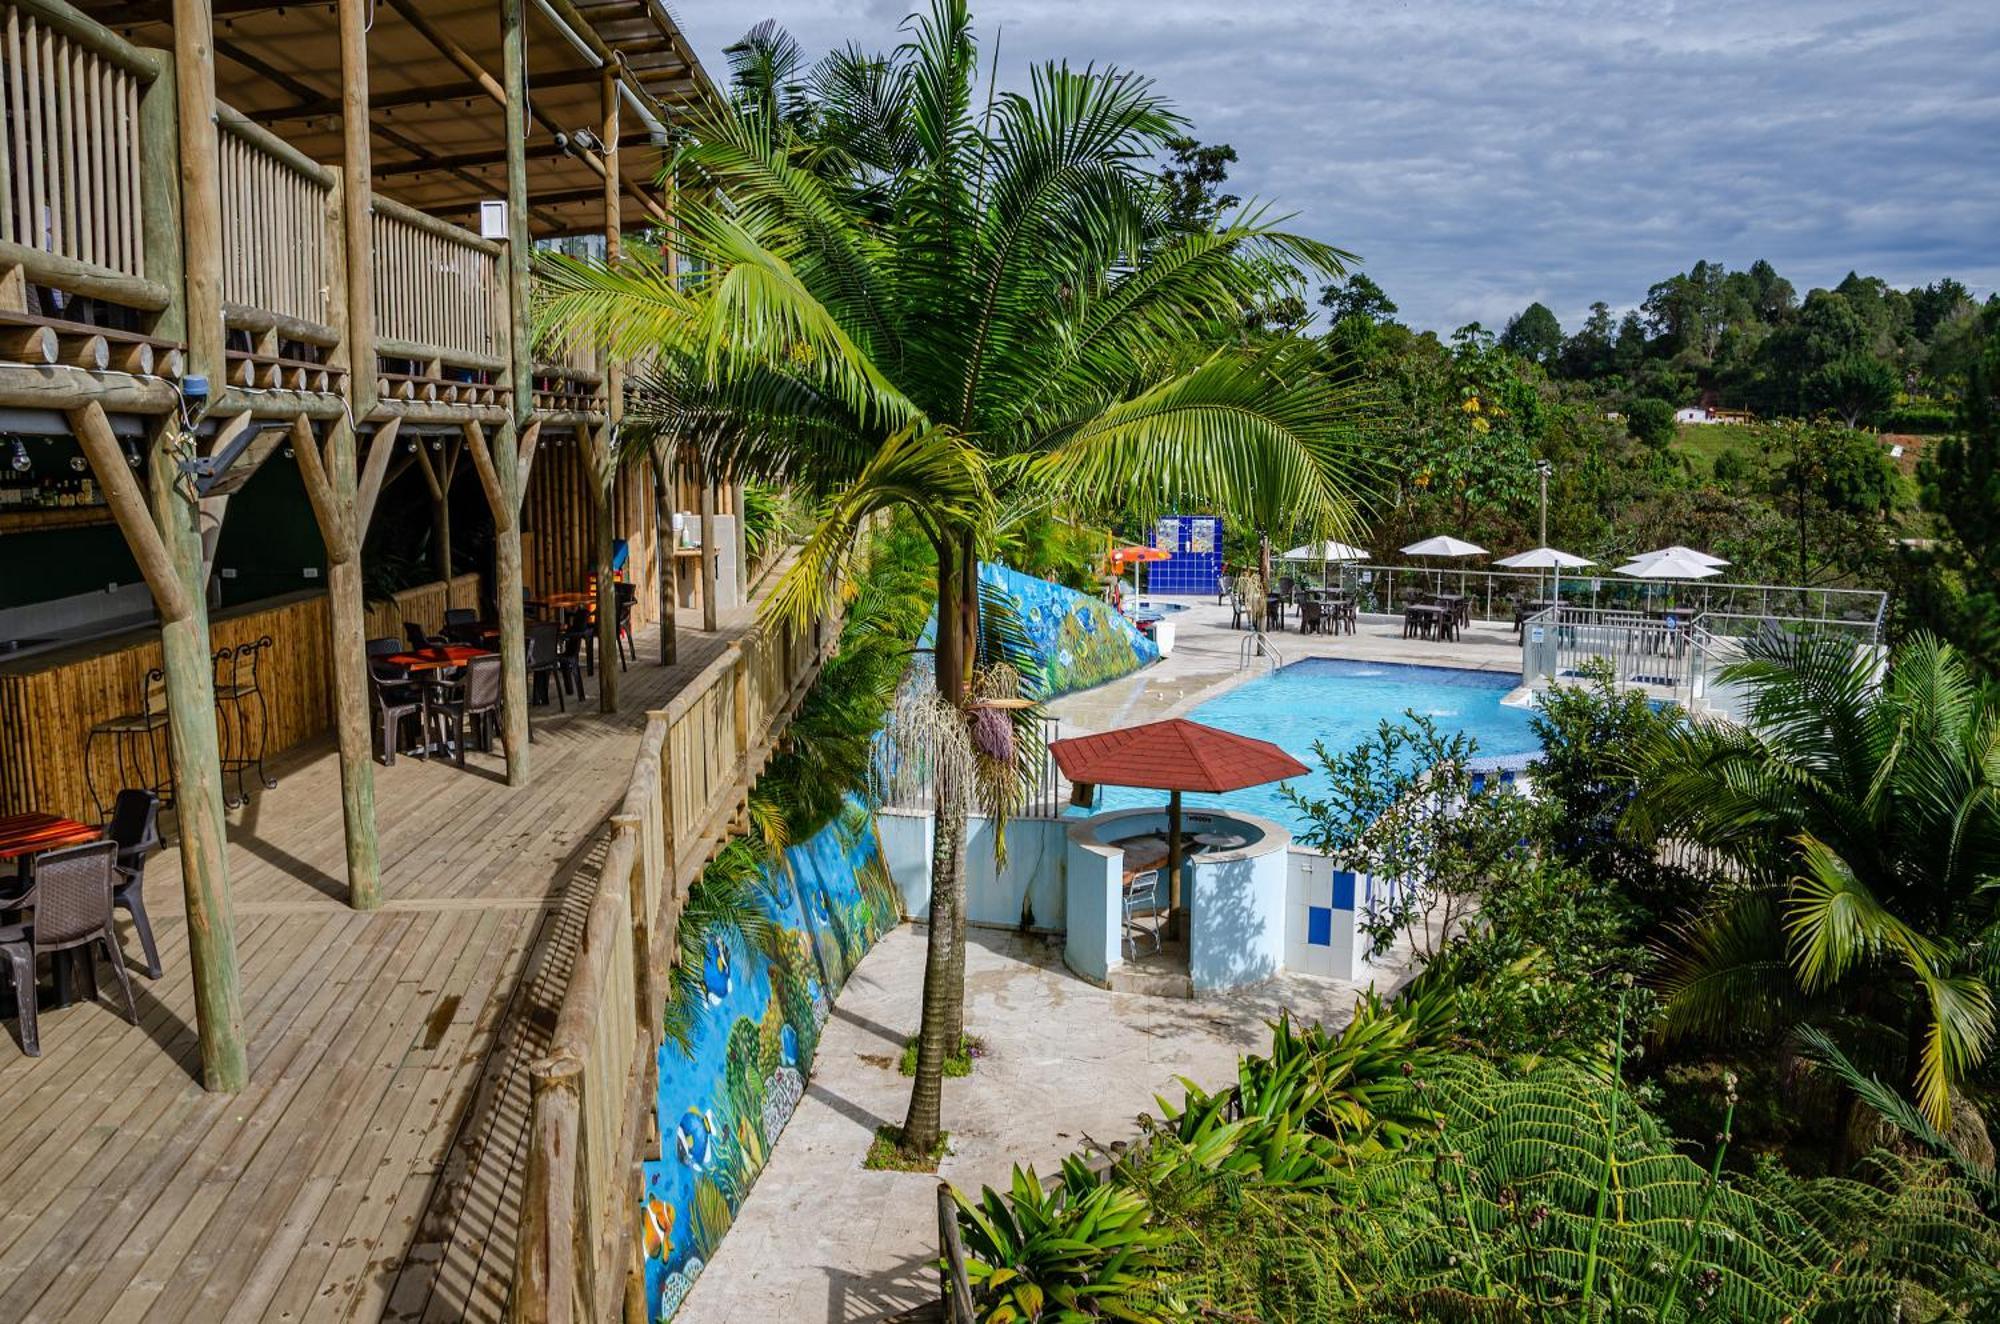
605,478
201,188
508,462
742,540
1175,921
545,1250
664,491
160,197
708,618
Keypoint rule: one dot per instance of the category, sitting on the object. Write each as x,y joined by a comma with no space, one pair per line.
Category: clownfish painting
659,1229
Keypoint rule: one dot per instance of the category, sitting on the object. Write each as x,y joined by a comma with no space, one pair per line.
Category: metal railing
1492,594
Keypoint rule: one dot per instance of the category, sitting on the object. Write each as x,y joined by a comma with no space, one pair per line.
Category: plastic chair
395,698
476,698
135,830
71,900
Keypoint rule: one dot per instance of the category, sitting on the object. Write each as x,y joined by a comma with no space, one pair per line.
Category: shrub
1651,420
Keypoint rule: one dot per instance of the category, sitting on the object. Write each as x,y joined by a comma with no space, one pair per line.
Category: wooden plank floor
371,1168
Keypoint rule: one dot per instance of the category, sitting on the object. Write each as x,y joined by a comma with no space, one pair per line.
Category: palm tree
909,296
1859,813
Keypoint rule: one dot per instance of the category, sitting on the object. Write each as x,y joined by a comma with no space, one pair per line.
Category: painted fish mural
761,1006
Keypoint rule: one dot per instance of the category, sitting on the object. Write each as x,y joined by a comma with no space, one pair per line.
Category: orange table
567,601
30,834
434,659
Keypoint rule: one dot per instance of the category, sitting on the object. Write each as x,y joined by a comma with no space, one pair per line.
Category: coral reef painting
1078,641
723,1101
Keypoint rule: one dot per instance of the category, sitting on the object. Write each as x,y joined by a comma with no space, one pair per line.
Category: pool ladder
1257,644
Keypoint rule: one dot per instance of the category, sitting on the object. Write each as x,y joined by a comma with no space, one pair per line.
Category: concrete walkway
1068,1063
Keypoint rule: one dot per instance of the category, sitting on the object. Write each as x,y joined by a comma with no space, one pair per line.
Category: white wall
1033,873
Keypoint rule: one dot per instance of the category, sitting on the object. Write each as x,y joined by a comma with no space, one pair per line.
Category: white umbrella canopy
1442,546
1329,550
1673,563
1687,552
1544,558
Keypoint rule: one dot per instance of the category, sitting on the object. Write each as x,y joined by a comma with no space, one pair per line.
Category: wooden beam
333,527
374,474
201,188
605,478
531,435
511,472
489,478
472,89
128,506
357,199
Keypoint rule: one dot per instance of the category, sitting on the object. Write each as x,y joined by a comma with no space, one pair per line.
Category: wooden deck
371,1168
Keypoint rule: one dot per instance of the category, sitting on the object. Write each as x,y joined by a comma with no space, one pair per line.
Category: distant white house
1692,414
1699,414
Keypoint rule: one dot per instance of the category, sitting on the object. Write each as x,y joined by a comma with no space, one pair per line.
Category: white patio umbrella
1669,563
1687,552
1326,553
1546,558
1444,546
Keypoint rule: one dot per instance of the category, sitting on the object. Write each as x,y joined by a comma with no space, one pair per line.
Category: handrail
277,239
696,761
438,289
954,1288
85,31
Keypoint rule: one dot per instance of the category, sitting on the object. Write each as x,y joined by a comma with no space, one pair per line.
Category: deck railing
576,1255
439,291
277,241
72,157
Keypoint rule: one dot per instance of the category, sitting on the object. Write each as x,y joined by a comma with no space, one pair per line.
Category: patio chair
395,698
628,600
1142,895
71,900
419,638
135,830
461,626
1312,617
577,636
474,697
543,646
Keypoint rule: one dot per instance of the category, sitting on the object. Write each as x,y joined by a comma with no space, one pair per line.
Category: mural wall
723,1101
1078,640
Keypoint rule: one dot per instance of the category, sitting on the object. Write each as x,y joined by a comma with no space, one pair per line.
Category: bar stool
239,693
134,738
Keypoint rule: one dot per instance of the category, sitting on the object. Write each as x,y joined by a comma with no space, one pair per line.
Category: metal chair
71,901
395,698
135,830
239,694
1142,894
475,696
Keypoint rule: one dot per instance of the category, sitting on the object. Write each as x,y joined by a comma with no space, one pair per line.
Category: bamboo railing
72,154
277,245
439,290
576,1257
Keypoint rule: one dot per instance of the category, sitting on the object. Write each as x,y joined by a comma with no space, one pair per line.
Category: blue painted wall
1078,640
722,1104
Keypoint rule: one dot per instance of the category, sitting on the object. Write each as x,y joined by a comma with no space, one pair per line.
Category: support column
201,189
742,531
605,479
665,492
707,552
507,458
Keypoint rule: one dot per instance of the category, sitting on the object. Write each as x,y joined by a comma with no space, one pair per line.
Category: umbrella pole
1175,918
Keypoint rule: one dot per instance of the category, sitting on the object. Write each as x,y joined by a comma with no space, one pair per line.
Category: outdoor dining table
24,836
1459,606
436,658
1444,618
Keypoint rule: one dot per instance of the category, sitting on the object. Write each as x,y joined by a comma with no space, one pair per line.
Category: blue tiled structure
1196,563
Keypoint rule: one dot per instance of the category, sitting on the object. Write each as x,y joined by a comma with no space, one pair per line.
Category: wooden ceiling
439,136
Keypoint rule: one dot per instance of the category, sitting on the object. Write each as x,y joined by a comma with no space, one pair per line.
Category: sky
1480,156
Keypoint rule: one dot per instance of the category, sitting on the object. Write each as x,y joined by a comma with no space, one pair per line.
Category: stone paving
819,1238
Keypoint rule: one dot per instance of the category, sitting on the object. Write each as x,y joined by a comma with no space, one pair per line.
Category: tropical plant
1077,1249
902,294
725,906
1860,814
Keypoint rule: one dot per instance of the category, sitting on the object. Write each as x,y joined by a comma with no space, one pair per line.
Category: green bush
1651,420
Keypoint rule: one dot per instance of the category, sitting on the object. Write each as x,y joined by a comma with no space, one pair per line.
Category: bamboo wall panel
558,541
69,147
48,704
275,251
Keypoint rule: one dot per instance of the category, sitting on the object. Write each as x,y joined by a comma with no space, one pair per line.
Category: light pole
1543,469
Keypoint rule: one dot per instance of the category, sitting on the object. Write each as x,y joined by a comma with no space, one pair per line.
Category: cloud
1482,155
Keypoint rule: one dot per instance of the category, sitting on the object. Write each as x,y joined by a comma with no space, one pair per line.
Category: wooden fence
577,1258
277,240
70,153
437,290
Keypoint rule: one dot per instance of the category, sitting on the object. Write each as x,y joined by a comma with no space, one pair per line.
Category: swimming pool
1342,702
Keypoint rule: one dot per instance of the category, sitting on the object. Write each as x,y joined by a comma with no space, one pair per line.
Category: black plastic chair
577,638
135,830
543,646
628,599
474,698
419,639
395,698
461,626
71,901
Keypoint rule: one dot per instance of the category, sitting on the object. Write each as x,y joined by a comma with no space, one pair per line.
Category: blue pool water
1342,703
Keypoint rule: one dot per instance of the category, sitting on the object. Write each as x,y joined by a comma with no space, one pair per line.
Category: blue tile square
1343,890
1319,926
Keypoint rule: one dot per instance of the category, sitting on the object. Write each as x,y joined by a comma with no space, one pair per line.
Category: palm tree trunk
968,618
944,986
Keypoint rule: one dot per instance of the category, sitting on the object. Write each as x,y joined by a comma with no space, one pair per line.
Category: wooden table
435,659
31,834
1143,855
568,601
